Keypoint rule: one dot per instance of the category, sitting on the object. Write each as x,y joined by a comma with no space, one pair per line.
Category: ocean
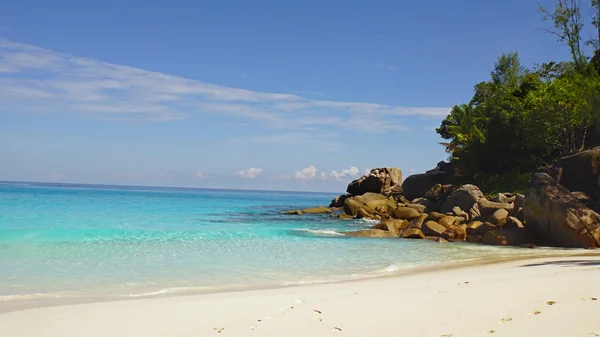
71,241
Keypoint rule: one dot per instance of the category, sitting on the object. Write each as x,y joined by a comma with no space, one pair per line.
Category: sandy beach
537,297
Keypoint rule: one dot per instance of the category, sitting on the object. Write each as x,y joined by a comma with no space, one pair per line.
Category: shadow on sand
571,263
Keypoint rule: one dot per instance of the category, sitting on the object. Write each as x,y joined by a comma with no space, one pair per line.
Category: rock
434,192
474,238
317,210
432,228
463,198
455,233
436,239
418,222
479,228
405,213
447,221
412,233
512,222
576,172
294,212
553,213
474,212
371,233
519,200
338,201
386,181
369,205
520,214
416,185
419,208
507,237
489,207
429,206
345,216
352,207
584,199
498,218
459,212
436,216
393,226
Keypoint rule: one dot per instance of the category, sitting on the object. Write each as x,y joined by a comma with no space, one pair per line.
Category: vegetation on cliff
523,119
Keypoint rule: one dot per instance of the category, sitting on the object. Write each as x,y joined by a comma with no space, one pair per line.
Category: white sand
508,298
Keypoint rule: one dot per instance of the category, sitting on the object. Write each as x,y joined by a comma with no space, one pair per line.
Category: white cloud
307,173
37,79
250,173
201,175
312,173
346,173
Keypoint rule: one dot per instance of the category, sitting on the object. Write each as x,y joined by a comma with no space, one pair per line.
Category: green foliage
522,119
513,182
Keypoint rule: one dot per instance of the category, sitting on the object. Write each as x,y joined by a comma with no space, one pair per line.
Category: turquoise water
72,240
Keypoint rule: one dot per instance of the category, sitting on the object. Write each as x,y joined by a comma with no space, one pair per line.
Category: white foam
329,232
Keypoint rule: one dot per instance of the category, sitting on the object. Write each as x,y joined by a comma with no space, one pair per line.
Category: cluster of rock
433,206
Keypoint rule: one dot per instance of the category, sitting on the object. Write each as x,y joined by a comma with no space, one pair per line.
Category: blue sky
302,95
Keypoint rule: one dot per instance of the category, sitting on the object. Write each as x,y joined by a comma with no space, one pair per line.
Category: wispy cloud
250,173
312,173
201,175
344,174
36,79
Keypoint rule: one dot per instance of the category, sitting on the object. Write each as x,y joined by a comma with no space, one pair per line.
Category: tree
566,18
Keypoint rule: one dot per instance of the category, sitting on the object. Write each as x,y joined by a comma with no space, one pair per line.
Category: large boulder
579,172
412,233
464,197
416,185
338,201
405,213
386,181
369,205
432,228
317,210
394,226
557,216
508,237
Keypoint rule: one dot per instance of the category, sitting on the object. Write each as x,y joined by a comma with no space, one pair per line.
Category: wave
327,232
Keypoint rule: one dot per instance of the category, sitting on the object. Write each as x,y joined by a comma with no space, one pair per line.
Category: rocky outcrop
369,205
317,210
579,172
417,185
464,198
338,201
508,237
386,181
557,216
412,233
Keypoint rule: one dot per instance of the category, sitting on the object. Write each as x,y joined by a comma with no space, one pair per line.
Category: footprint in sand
505,320
534,313
336,329
550,302
491,331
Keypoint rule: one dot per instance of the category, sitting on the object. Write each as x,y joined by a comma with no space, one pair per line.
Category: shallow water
74,241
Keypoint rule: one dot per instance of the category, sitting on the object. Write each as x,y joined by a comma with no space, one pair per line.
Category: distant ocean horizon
81,240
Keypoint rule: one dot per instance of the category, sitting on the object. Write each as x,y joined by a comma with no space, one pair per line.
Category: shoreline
9,306
549,296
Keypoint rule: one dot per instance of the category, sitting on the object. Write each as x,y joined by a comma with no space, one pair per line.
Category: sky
277,95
